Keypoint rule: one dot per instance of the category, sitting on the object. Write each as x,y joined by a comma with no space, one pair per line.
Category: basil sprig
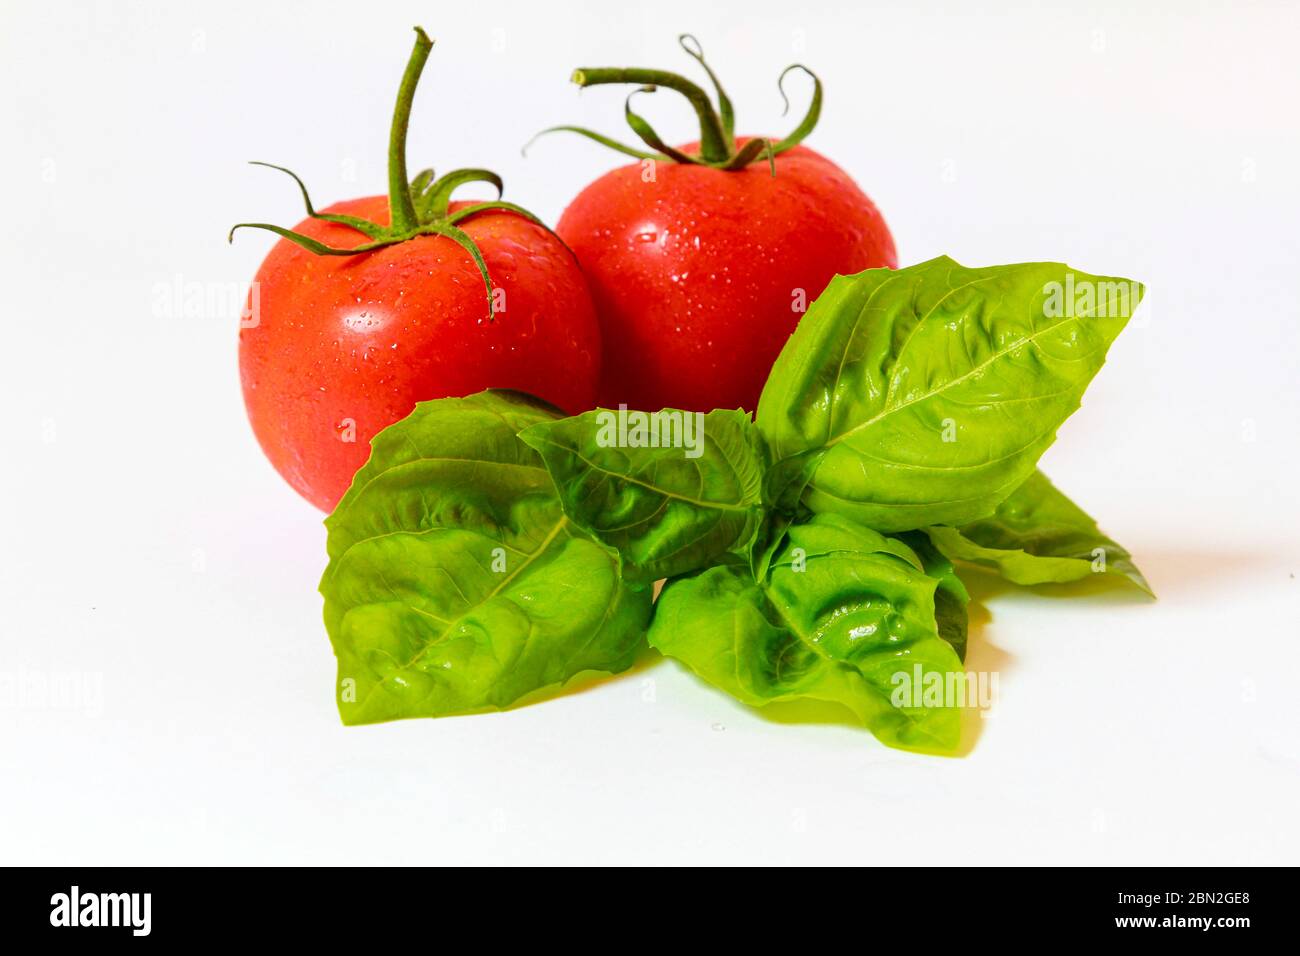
492,547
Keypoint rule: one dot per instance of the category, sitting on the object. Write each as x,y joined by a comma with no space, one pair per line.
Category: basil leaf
1039,536
668,509
455,581
926,395
767,542
466,444
951,599
844,615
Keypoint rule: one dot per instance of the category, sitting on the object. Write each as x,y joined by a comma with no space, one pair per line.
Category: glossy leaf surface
926,395
455,581
1039,536
669,509
844,614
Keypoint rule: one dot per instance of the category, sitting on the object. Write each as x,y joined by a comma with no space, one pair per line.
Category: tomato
378,303
700,275
344,347
701,258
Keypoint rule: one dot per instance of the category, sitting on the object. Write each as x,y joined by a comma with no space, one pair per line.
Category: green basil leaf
667,508
951,599
456,582
466,444
767,542
926,395
1039,536
844,614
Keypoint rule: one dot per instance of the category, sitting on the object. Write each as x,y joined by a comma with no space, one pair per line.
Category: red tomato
700,275
378,303
345,346
701,258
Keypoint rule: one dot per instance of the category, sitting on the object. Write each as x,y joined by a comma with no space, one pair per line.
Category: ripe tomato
345,346
701,258
700,275
378,303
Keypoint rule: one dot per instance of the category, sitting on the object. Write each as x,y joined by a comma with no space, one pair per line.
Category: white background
153,557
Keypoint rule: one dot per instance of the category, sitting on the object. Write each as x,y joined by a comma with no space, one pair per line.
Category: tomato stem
695,49
810,118
401,209
717,126
714,146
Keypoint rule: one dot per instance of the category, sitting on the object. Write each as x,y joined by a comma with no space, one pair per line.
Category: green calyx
418,207
718,148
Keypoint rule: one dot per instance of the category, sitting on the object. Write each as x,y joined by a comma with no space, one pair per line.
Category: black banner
235,905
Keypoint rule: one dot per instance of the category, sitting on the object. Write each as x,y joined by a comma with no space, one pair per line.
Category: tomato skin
695,273
361,339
